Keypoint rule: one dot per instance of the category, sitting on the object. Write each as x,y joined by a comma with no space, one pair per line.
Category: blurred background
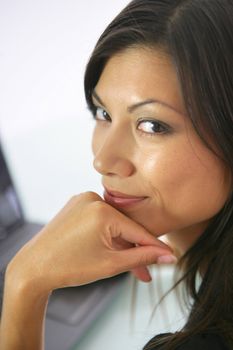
45,130
45,127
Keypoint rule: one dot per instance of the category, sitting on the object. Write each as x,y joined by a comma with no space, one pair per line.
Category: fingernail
167,259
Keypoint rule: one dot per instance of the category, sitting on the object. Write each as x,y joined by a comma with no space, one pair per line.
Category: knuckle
92,196
144,259
99,206
85,196
74,199
99,210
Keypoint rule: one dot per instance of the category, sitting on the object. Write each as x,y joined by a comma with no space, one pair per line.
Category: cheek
185,183
96,141
165,175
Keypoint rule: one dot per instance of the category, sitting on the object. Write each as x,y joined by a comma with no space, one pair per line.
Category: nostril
112,165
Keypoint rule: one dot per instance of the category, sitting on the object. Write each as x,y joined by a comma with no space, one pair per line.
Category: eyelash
165,128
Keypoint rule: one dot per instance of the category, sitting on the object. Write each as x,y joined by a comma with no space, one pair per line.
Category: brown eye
101,114
153,127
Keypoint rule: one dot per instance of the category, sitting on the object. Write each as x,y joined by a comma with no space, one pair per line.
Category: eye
153,127
101,115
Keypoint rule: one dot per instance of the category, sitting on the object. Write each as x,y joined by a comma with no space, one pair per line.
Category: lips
121,200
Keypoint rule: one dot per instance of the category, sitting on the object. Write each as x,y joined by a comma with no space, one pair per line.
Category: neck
180,241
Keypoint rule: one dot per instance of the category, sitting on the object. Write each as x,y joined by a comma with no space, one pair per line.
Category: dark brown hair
198,37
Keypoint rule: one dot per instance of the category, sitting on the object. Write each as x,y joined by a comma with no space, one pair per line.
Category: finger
142,273
134,233
85,198
78,201
142,256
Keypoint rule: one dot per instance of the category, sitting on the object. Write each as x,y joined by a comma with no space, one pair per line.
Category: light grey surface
119,328
72,311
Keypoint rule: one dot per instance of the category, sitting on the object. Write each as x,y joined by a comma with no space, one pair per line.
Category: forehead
138,74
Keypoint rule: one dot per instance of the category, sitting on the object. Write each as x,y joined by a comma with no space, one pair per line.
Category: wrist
24,308
21,281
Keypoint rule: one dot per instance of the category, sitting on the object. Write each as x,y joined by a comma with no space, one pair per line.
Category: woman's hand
88,240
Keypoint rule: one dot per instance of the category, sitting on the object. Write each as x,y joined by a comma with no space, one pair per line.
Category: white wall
44,125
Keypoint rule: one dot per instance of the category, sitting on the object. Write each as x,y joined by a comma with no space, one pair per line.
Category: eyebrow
133,107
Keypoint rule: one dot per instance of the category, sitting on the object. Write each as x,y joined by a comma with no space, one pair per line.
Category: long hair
198,37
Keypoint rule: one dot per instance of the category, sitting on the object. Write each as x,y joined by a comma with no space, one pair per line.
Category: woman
160,86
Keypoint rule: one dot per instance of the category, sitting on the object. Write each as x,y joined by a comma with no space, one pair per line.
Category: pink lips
121,200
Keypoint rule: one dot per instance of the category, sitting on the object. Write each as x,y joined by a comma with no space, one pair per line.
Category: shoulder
205,341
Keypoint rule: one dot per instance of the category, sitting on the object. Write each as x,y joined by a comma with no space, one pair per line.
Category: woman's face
145,146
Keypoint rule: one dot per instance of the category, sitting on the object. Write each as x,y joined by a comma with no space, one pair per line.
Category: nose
113,155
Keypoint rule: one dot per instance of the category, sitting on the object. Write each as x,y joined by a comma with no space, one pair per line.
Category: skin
87,240
186,184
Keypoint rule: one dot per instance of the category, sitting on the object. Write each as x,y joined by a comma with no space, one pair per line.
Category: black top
196,342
